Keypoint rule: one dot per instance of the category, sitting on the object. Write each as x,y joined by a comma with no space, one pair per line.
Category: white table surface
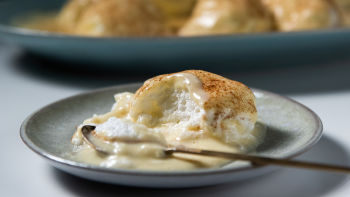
28,83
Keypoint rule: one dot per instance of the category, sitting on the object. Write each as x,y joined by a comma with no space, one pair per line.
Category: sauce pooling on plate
193,108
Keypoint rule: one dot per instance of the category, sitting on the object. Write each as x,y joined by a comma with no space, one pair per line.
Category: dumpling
113,18
227,16
294,15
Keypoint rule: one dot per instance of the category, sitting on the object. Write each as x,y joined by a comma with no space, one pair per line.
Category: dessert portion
193,108
294,15
227,17
106,18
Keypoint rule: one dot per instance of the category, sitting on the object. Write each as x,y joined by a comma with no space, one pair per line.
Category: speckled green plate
292,129
229,51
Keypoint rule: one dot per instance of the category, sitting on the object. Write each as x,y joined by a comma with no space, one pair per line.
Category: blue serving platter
228,51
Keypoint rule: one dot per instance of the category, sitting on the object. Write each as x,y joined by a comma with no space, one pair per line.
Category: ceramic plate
292,129
267,49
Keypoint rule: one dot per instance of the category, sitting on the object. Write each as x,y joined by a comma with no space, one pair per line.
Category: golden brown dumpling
113,18
227,16
293,15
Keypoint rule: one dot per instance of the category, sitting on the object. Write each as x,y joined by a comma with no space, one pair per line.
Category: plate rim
84,166
20,31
